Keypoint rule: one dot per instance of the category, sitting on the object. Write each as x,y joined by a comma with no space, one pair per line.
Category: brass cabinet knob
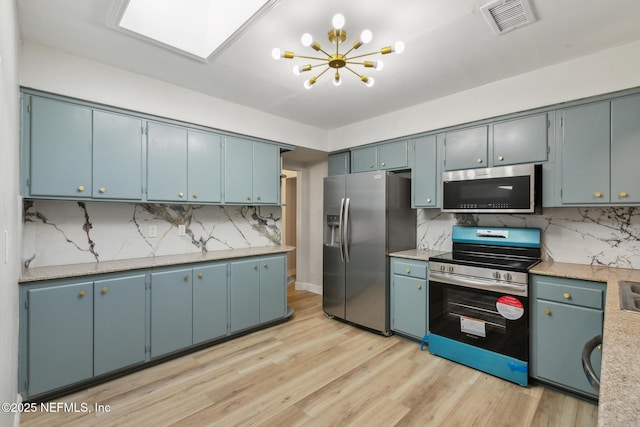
623,194
186,277
102,189
200,275
547,311
419,286
599,348
566,295
81,188
83,293
428,200
104,290
181,194
501,158
255,267
370,165
382,164
479,161
597,194
258,198
408,270
195,195
266,265
248,197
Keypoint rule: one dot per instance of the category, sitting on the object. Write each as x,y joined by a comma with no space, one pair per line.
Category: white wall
309,248
54,71
10,207
606,71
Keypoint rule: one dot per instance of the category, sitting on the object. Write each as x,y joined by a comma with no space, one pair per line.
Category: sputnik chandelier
337,60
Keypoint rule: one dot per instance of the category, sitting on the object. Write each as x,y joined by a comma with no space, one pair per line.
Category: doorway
289,219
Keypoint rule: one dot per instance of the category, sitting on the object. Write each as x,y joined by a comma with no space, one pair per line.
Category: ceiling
449,48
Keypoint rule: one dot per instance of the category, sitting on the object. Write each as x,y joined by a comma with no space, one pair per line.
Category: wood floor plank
315,371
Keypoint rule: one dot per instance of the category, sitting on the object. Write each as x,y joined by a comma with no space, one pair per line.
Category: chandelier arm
312,57
323,71
355,63
365,54
349,51
352,71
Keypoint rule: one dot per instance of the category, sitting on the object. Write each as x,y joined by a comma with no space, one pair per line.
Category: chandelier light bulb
370,82
306,39
337,21
366,36
379,65
337,81
297,70
399,47
276,53
308,84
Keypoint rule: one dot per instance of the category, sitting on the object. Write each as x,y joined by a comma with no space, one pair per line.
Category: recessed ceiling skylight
195,27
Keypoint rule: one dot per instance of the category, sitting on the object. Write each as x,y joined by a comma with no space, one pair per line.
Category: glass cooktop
494,261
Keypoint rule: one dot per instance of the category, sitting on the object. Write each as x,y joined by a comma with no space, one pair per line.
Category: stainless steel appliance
366,216
505,189
478,299
587,366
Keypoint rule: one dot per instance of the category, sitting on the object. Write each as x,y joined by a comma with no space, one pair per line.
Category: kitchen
600,70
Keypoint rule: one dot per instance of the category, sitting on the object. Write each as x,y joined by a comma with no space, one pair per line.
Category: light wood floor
314,371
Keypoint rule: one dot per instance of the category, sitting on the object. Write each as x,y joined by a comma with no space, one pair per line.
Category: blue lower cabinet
119,323
210,302
60,336
409,294
272,288
171,311
244,294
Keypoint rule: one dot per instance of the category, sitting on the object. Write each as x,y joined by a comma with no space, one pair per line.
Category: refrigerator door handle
340,233
345,236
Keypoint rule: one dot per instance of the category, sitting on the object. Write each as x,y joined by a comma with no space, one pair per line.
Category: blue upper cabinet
387,156
60,149
522,140
585,136
339,164
625,150
467,148
251,172
424,173
166,162
204,167
117,156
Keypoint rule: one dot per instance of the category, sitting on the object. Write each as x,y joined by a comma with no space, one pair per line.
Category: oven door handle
477,283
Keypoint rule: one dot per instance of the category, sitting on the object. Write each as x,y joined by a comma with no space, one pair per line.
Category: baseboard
311,287
16,418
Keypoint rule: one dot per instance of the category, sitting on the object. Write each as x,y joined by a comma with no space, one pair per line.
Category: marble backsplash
67,232
597,236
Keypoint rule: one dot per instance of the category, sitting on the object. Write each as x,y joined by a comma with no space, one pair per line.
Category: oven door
482,316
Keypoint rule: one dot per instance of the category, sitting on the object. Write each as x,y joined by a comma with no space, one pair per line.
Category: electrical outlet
153,231
182,230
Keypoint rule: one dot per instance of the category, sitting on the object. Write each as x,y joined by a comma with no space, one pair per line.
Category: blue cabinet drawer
574,295
415,269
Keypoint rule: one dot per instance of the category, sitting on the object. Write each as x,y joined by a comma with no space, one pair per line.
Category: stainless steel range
478,299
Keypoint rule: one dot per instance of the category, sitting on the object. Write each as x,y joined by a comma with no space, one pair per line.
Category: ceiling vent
507,15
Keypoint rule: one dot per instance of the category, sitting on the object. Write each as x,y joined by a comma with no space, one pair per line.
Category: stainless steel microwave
505,189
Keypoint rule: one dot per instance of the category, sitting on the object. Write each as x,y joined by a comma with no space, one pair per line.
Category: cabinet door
364,159
166,162
60,149
244,287
585,154
409,306
238,171
393,155
466,149
60,337
204,166
424,175
559,338
266,173
171,311
117,156
273,284
119,323
625,150
339,164
209,302
521,140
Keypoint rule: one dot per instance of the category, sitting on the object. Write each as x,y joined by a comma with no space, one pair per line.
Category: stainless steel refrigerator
366,216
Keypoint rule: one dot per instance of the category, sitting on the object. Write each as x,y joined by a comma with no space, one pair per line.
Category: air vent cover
507,15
